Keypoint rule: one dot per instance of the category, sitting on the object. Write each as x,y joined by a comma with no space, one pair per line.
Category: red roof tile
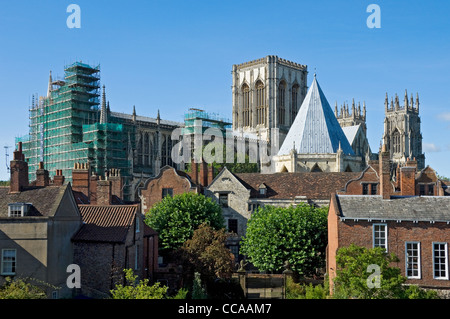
317,185
105,223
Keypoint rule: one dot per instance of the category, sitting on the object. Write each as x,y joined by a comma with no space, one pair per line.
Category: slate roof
105,223
315,128
45,200
413,208
317,185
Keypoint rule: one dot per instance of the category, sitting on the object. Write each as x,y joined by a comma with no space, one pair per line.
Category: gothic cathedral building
268,97
402,135
267,94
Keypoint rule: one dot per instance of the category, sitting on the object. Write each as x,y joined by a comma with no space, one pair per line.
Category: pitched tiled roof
413,208
318,185
44,200
105,223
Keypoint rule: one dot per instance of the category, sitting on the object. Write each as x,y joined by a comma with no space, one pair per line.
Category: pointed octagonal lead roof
315,129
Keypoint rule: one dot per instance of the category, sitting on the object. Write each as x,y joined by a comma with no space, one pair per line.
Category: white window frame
385,236
17,207
446,261
419,268
2,271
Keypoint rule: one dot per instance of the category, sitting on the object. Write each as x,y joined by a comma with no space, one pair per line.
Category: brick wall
360,233
168,178
98,272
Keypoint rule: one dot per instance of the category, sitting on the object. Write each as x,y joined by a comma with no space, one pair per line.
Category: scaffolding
197,121
56,121
106,147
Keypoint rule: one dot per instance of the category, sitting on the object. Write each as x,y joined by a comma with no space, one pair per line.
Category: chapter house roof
315,128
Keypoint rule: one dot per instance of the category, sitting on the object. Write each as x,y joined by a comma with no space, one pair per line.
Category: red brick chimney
210,174
58,179
19,171
385,173
203,173
80,178
93,189
194,171
103,192
42,178
116,182
408,178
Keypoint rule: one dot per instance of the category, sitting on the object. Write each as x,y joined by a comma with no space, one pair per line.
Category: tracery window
260,105
246,104
281,102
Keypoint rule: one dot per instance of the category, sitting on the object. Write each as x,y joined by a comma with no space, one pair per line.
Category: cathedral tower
402,135
267,94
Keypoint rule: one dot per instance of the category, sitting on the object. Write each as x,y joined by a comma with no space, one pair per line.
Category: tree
176,218
207,254
277,235
236,166
138,290
365,273
20,289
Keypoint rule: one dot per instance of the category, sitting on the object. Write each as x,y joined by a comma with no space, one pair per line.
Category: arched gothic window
260,105
281,102
396,142
246,105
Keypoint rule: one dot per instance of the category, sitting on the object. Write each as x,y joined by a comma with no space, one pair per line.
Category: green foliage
198,291
304,291
181,294
234,166
176,218
138,290
415,292
352,276
294,234
20,289
4,183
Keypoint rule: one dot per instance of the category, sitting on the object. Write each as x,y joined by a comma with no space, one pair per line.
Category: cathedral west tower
402,134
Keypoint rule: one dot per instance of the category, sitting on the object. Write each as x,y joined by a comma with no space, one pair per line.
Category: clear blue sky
172,55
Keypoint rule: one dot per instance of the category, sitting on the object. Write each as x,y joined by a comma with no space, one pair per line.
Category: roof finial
103,115
49,84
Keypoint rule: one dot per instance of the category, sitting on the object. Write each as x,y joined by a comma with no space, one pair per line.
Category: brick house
168,182
112,238
398,217
241,194
37,221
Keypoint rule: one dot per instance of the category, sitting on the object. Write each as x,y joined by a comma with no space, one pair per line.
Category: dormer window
18,209
262,190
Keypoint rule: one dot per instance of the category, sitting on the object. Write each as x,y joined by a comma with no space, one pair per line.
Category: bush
305,291
19,289
138,290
